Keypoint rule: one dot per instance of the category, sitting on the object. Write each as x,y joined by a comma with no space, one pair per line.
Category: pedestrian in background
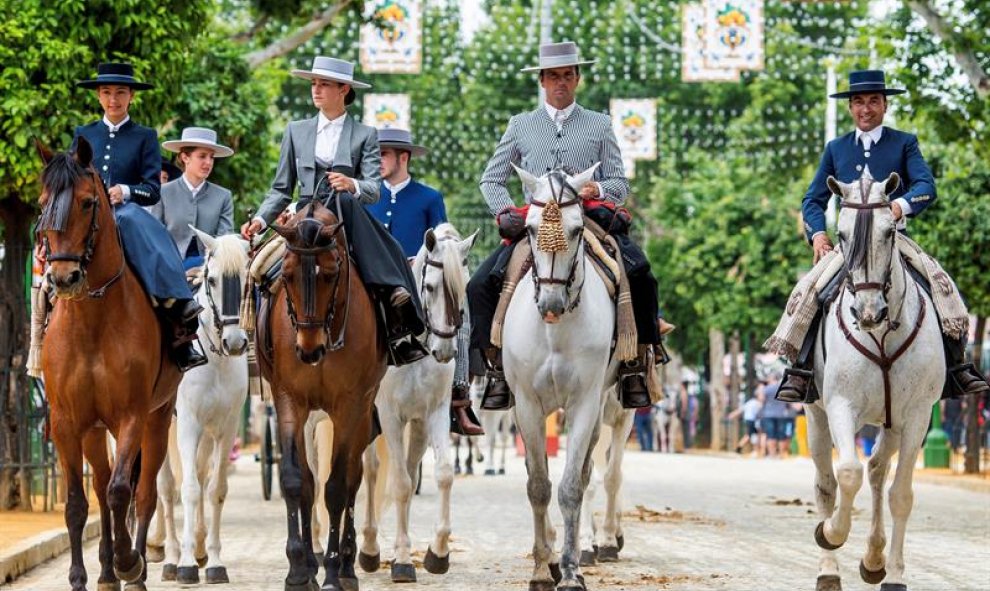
643,420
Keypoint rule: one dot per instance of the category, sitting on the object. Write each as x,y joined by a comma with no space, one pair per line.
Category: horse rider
191,200
408,209
878,150
332,153
559,133
127,159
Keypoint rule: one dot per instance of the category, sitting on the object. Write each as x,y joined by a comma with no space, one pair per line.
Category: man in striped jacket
559,132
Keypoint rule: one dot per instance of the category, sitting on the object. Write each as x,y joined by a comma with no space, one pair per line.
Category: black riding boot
403,346
961,378
798,383
633,391
183,318
497,394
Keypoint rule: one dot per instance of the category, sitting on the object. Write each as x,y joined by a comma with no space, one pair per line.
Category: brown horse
105,368
326,354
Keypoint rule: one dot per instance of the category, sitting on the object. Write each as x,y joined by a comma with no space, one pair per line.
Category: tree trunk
735,385
965,57
296,38
716,393
16,217
973,405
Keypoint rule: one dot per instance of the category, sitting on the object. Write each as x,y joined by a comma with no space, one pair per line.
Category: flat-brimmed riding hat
558,55
400,139
331,68
867,82
198,137
117,74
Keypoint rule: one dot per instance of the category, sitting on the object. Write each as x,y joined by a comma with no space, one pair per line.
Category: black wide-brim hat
118,74
867,82
171,169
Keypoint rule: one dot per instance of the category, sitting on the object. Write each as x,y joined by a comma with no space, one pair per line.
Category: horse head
556,233
441,271
70,201
223,278
311,271
867,230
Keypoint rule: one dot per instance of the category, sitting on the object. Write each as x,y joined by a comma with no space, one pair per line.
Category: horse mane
58,179
229,255
450,259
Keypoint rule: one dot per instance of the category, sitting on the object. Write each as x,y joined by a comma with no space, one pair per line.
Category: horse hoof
369,563
588,558
821,540
169,572
309,585
403,573
873,577
828,583
893,587
348,584
435,564
620,542
501,470
110,586
555,572
542,586
135,586
154,553
490,472
187,575
132,574
608,554
202,560
216,574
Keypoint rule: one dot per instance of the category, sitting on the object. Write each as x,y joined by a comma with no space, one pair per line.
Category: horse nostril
74,277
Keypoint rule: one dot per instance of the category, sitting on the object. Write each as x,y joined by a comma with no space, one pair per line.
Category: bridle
864,219
454,315
231,307
568,282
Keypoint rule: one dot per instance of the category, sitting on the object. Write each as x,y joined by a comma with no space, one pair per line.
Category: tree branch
965,58
249,34
297,37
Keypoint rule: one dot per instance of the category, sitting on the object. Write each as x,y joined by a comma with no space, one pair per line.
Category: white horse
417,396
604,544
498,430
556,354
208,409
880,315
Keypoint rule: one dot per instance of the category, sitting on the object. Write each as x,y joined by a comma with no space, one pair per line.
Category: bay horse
884,366
557,341
326,354
106,369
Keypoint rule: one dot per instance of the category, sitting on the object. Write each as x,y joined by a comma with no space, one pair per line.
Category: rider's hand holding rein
116,195
249,229
590,191
822,245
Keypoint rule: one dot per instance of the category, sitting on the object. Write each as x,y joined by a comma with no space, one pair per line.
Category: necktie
867,141
558,120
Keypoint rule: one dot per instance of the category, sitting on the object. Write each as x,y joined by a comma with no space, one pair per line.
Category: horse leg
469,461
612,528
834,531
153,450
820,446
348,543
190,436
336,495
313,461
872,566
457,453
95,449
128,563
76,505
589,529
216,572
369,557
532,426
291,468
437,560
402,469
207,445
581,439
166,506
158,531
901,495
306,512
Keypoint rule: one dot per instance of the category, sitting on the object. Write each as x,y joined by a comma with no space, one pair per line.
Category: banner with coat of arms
693,65
635,124
734,34
393,42
387,110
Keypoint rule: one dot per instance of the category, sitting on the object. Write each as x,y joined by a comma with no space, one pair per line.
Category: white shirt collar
192,189
323,122
115,128
874,134
566,111
394,189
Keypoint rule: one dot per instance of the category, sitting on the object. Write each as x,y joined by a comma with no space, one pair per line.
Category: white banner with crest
734,34
693,65
635,124
387,110
396,47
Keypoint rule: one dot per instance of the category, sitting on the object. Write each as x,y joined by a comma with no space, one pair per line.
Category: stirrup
954,388
798,374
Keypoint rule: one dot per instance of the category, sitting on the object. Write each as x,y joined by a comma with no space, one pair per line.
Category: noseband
538,280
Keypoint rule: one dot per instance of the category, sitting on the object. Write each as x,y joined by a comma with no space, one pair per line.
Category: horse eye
429,288
213,281
88,204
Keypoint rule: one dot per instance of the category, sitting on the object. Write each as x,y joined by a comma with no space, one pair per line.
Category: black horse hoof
893,587
369,563
135,586
154,553
216,574
131,574
490,472
542,586
579,587
873,577
620,542
821,540
187,575
348,584
828,583
169,572
308,585
608,554
501,470
555,573
435,564
403,573
588,558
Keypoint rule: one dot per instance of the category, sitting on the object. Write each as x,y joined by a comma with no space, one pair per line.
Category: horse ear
468,242
430,240
284,231
834,185
578,181
329,231
208,241
530,182
83,152
43,151
890,185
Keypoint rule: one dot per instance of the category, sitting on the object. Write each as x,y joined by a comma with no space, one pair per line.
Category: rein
558,203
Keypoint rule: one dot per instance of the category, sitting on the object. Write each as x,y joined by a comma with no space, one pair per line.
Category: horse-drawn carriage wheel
267,460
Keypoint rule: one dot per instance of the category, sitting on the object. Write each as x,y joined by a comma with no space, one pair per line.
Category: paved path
719,523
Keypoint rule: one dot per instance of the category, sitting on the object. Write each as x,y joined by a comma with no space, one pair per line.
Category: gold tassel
550,236
248,306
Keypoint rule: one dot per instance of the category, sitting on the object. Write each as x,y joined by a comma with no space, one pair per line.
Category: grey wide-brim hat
198,137
558,55
331,68
400,139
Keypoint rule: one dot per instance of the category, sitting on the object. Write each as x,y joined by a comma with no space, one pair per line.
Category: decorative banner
396,47
635,124
734,34
387,110
693,67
